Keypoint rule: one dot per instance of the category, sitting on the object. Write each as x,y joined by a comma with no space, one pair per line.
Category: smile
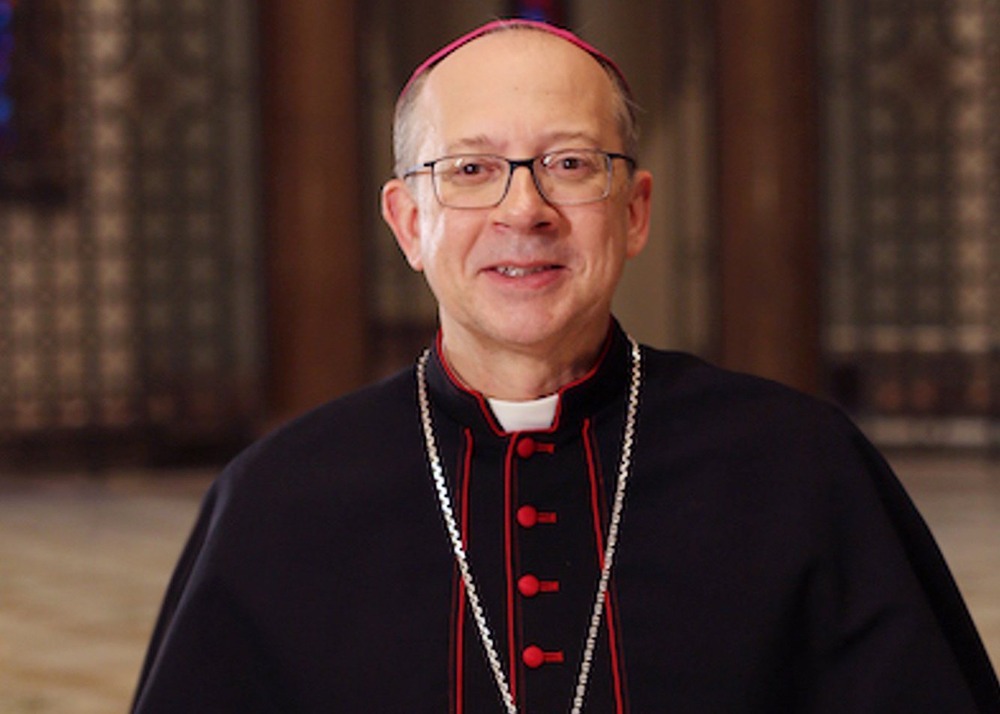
512,271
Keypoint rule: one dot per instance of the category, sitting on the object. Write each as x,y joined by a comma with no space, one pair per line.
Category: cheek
621,241
448,237
611,238
432,230
437,255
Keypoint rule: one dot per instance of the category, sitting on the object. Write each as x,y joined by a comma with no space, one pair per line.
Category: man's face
524,275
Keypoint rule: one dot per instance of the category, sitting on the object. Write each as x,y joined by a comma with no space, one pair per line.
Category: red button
527,516
526,447
528,585
534,656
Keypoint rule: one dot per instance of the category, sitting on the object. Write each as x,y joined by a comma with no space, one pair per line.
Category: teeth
513,272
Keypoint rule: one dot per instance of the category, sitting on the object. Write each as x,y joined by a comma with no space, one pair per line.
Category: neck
520,374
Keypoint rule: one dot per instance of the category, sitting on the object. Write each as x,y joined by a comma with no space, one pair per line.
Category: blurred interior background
190,246
191,251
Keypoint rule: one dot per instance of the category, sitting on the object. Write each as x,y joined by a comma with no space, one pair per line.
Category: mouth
517,271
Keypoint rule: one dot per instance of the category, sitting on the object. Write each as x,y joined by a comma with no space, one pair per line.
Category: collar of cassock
602,388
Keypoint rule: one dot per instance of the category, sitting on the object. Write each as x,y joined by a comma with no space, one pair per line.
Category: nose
524,203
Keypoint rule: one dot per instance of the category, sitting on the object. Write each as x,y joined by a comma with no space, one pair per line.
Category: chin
526,331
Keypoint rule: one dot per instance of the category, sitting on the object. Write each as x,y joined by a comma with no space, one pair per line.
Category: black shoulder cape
768,561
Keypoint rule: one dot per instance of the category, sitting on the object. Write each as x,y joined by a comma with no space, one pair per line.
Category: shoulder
751,450
749,419
684,382
341,447
372,412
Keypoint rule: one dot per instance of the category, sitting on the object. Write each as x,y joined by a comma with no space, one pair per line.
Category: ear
400,211
639,207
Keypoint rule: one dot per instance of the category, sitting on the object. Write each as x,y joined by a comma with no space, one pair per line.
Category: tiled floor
84,561
83,565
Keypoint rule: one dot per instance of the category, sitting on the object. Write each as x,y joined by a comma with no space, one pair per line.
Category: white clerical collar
531,415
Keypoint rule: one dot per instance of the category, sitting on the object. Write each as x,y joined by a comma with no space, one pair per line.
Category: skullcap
489,27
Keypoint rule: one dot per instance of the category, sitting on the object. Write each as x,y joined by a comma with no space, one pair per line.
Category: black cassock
768,561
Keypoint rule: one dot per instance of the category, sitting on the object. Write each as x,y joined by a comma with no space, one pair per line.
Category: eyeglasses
568,177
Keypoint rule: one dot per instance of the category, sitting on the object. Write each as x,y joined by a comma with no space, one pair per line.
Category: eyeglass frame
513,165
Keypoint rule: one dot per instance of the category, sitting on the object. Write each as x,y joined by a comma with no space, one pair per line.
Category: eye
573,165
470,170
569,163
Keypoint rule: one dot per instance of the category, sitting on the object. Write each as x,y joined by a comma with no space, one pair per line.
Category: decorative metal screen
913,217
129,308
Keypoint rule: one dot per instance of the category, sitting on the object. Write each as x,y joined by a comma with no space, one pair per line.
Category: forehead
517,86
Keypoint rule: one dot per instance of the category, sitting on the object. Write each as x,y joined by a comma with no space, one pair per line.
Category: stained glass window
553,11
7,137
34,101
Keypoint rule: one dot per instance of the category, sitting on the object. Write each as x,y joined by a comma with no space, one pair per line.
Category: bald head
486,57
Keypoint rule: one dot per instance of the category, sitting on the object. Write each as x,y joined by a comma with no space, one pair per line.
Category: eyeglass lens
482,180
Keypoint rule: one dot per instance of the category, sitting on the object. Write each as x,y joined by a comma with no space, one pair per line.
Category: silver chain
447,512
